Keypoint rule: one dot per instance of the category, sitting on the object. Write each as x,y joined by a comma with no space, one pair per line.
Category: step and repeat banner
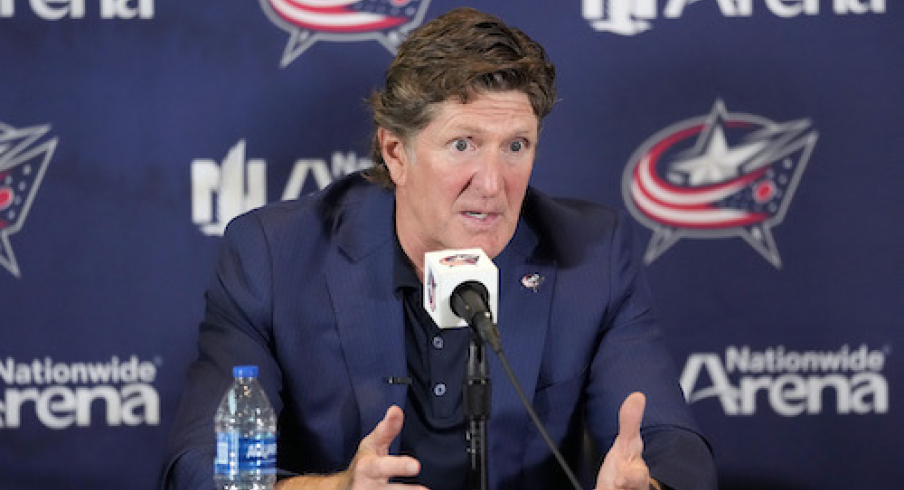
758,146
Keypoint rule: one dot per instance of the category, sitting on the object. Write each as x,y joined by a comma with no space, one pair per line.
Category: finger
404,486
385,467
630,418
385,431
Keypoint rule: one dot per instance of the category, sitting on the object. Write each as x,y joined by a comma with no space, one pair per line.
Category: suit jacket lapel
368,315
523,325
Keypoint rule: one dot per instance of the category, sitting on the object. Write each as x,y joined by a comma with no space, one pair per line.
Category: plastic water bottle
246,435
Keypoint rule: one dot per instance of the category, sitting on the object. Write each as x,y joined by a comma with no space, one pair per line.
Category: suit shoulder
573,229
321,210
557,214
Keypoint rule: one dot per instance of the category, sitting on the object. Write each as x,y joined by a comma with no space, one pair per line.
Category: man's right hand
371,468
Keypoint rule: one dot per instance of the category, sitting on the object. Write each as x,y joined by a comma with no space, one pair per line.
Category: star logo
309,21
716,176
717,162
23,162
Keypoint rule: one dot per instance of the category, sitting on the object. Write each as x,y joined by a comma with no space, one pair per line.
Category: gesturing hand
623,467
372,466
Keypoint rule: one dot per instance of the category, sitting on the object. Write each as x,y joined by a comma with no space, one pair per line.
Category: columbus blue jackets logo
431,290
24,157
309,21
722,175
459,259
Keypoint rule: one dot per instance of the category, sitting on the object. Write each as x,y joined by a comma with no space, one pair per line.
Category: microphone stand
468,301
476,398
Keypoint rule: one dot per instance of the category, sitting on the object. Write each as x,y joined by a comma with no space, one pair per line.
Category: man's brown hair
458,54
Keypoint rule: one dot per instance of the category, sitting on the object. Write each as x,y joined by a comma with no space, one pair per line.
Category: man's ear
393,149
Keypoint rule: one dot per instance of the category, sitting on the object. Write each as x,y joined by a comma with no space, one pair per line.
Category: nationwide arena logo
60,395
24,158
722,175
791,383
309,21
57,10
631,17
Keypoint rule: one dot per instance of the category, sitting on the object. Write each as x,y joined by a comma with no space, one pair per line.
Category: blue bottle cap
244,371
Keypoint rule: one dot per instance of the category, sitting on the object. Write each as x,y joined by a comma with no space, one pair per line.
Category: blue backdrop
758,145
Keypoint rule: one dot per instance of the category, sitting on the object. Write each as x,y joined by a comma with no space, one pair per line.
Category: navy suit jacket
304,291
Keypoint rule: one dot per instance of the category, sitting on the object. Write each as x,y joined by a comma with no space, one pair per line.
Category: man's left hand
623,467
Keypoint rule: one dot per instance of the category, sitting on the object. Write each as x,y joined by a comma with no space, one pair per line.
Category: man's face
461,180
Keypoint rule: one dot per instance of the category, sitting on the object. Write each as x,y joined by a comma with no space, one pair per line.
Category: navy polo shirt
434,428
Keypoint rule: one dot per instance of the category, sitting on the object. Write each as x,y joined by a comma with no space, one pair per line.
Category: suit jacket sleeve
235,330
631,357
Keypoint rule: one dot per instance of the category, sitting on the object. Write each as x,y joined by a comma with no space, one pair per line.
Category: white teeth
480,216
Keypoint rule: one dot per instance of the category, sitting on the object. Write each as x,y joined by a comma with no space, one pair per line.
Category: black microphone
470,302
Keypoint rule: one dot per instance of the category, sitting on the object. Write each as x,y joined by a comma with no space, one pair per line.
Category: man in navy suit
324,295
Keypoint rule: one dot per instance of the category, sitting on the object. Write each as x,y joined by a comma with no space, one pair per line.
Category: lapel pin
532,281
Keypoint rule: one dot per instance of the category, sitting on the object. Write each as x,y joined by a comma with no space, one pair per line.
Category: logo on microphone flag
23,161
456,260
722,175
309,21
431,290
445,270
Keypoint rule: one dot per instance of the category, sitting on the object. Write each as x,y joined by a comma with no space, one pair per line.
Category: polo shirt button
437,342
439,389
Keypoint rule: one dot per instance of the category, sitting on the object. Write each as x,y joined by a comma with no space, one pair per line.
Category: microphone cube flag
444,270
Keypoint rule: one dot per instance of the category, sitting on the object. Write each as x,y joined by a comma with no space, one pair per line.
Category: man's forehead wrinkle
487,121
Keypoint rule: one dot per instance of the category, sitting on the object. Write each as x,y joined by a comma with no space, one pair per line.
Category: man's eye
516,146
461,145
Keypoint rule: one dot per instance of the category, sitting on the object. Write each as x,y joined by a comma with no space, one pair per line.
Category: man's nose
488,178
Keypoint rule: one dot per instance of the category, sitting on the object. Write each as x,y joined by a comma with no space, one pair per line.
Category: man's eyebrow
471,128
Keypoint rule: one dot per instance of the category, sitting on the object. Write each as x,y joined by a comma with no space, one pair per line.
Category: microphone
461,288
445,271
457,292
470,301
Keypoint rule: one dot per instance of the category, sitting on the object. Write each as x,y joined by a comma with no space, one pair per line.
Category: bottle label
236,454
